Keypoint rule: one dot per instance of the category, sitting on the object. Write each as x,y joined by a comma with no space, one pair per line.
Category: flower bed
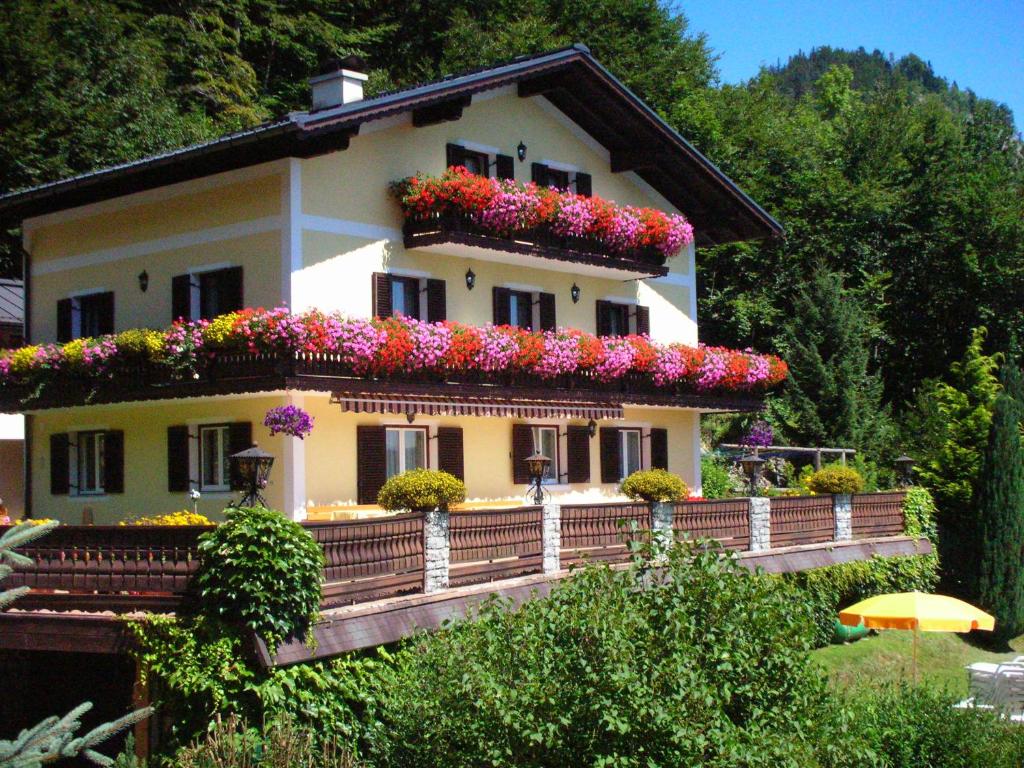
396,347
505,208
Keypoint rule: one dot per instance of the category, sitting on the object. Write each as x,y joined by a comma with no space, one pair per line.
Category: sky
978,44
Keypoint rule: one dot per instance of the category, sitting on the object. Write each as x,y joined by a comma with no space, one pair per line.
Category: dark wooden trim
441,112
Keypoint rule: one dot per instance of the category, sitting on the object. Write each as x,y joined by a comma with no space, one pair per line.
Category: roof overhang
637,140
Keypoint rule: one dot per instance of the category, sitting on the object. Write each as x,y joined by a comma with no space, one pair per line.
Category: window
90,469
88,315
405,296
520,309
219,293
405,448
545,442
475,162
562,179
616,319
214,449
630,451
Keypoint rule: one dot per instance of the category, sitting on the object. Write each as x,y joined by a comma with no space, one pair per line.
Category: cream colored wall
12,477
145,446
351,226
331,464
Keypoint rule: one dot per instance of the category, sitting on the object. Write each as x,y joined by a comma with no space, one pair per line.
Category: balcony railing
123,568
455,228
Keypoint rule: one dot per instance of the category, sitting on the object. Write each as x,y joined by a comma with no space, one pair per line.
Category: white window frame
631,307
195,298
556,462
76,309
534,302
402,430
624,453
98,437
225,471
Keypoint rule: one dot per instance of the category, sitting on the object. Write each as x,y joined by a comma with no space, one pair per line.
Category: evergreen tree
1001,511
832,398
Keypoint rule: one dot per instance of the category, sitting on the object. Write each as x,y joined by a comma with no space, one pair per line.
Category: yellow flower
220,329
182,517
73,354
21,360
144,342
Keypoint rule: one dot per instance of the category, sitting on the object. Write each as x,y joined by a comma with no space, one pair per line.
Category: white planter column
436,550
552,537
842,507
294,471
760,524
661,523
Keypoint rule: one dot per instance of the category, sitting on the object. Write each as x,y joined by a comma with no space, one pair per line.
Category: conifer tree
1001,511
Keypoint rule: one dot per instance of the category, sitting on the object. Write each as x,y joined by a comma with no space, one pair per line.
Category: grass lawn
886,657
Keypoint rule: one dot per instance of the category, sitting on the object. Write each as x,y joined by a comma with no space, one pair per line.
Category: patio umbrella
917,611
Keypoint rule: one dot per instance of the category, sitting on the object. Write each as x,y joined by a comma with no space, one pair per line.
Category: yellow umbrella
917,611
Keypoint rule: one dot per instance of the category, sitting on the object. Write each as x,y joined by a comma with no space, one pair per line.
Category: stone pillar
842,507
552,537
436,550
661,524
760,523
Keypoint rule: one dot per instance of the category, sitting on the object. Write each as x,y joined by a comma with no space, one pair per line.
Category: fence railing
151,567
877,514
486,545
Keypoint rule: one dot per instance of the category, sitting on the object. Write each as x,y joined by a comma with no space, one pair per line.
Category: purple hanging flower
288,420
759,435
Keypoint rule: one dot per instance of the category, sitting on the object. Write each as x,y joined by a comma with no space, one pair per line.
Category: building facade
299,213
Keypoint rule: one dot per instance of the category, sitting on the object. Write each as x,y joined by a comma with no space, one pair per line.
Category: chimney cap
352,62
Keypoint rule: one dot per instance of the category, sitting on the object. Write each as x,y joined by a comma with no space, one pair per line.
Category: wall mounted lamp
470,279
143,281
591,427
521,151
575,293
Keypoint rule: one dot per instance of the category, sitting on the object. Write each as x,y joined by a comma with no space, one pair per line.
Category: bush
422,489
262,571
836,479
655,485
182,517
919,515
715,482
142,343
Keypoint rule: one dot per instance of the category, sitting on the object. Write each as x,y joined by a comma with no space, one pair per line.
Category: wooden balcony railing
455,228
122,568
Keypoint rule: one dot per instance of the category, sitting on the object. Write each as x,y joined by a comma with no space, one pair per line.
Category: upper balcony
464,214
442,366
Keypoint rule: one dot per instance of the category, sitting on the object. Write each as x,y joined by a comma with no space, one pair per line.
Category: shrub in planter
655,485
836,479
421,489
261,570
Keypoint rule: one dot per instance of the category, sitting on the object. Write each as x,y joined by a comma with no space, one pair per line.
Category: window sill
83,497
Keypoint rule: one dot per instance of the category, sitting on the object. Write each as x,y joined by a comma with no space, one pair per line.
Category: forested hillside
902,194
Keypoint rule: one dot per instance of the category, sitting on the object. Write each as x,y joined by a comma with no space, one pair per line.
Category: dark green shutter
643,321
64,310
453,156
604,321
60,456
437,309
232,295
522,447
578,453
539,174
177,459
450,457
659,448
371,463
181,297
381,295
583,185
611,455
501,306
505,167
547,311
113,461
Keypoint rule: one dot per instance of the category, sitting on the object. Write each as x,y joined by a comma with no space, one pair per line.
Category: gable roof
571,79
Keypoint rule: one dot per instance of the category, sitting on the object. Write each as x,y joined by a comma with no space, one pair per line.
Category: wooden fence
490,545
727,520
600,531
370,559
801,520
878,514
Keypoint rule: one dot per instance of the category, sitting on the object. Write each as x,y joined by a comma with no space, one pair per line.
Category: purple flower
358,341
560,355
289,420
574,217
430,341
759,435
499,349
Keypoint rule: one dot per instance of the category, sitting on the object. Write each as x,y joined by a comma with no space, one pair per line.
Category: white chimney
340,82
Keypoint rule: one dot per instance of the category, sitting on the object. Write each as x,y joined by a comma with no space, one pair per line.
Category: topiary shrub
422,489
836,479
655,485
261,570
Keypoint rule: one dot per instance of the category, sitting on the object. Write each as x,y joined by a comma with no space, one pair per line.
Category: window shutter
659,448
231,290
611,455
113,461
239,439
437,309
64,309
177,459
105,308
181,297
547,311
449,451
381,295
505,167
60,455
578,450
501,306
453,156
371,463
522,447
604,321
583,185
539,174
643,321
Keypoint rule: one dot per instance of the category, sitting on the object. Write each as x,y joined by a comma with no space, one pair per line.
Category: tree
54,738
832,396
1001,511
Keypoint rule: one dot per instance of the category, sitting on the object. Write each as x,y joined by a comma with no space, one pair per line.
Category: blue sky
978,44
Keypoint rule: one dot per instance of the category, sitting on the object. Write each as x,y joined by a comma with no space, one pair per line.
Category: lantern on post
537,467
905,471
252,468
752,464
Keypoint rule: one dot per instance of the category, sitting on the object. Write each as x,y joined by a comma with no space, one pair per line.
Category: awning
464,405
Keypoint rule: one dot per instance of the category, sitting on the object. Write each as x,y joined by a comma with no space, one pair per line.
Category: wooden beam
632,159
538,86
442,112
